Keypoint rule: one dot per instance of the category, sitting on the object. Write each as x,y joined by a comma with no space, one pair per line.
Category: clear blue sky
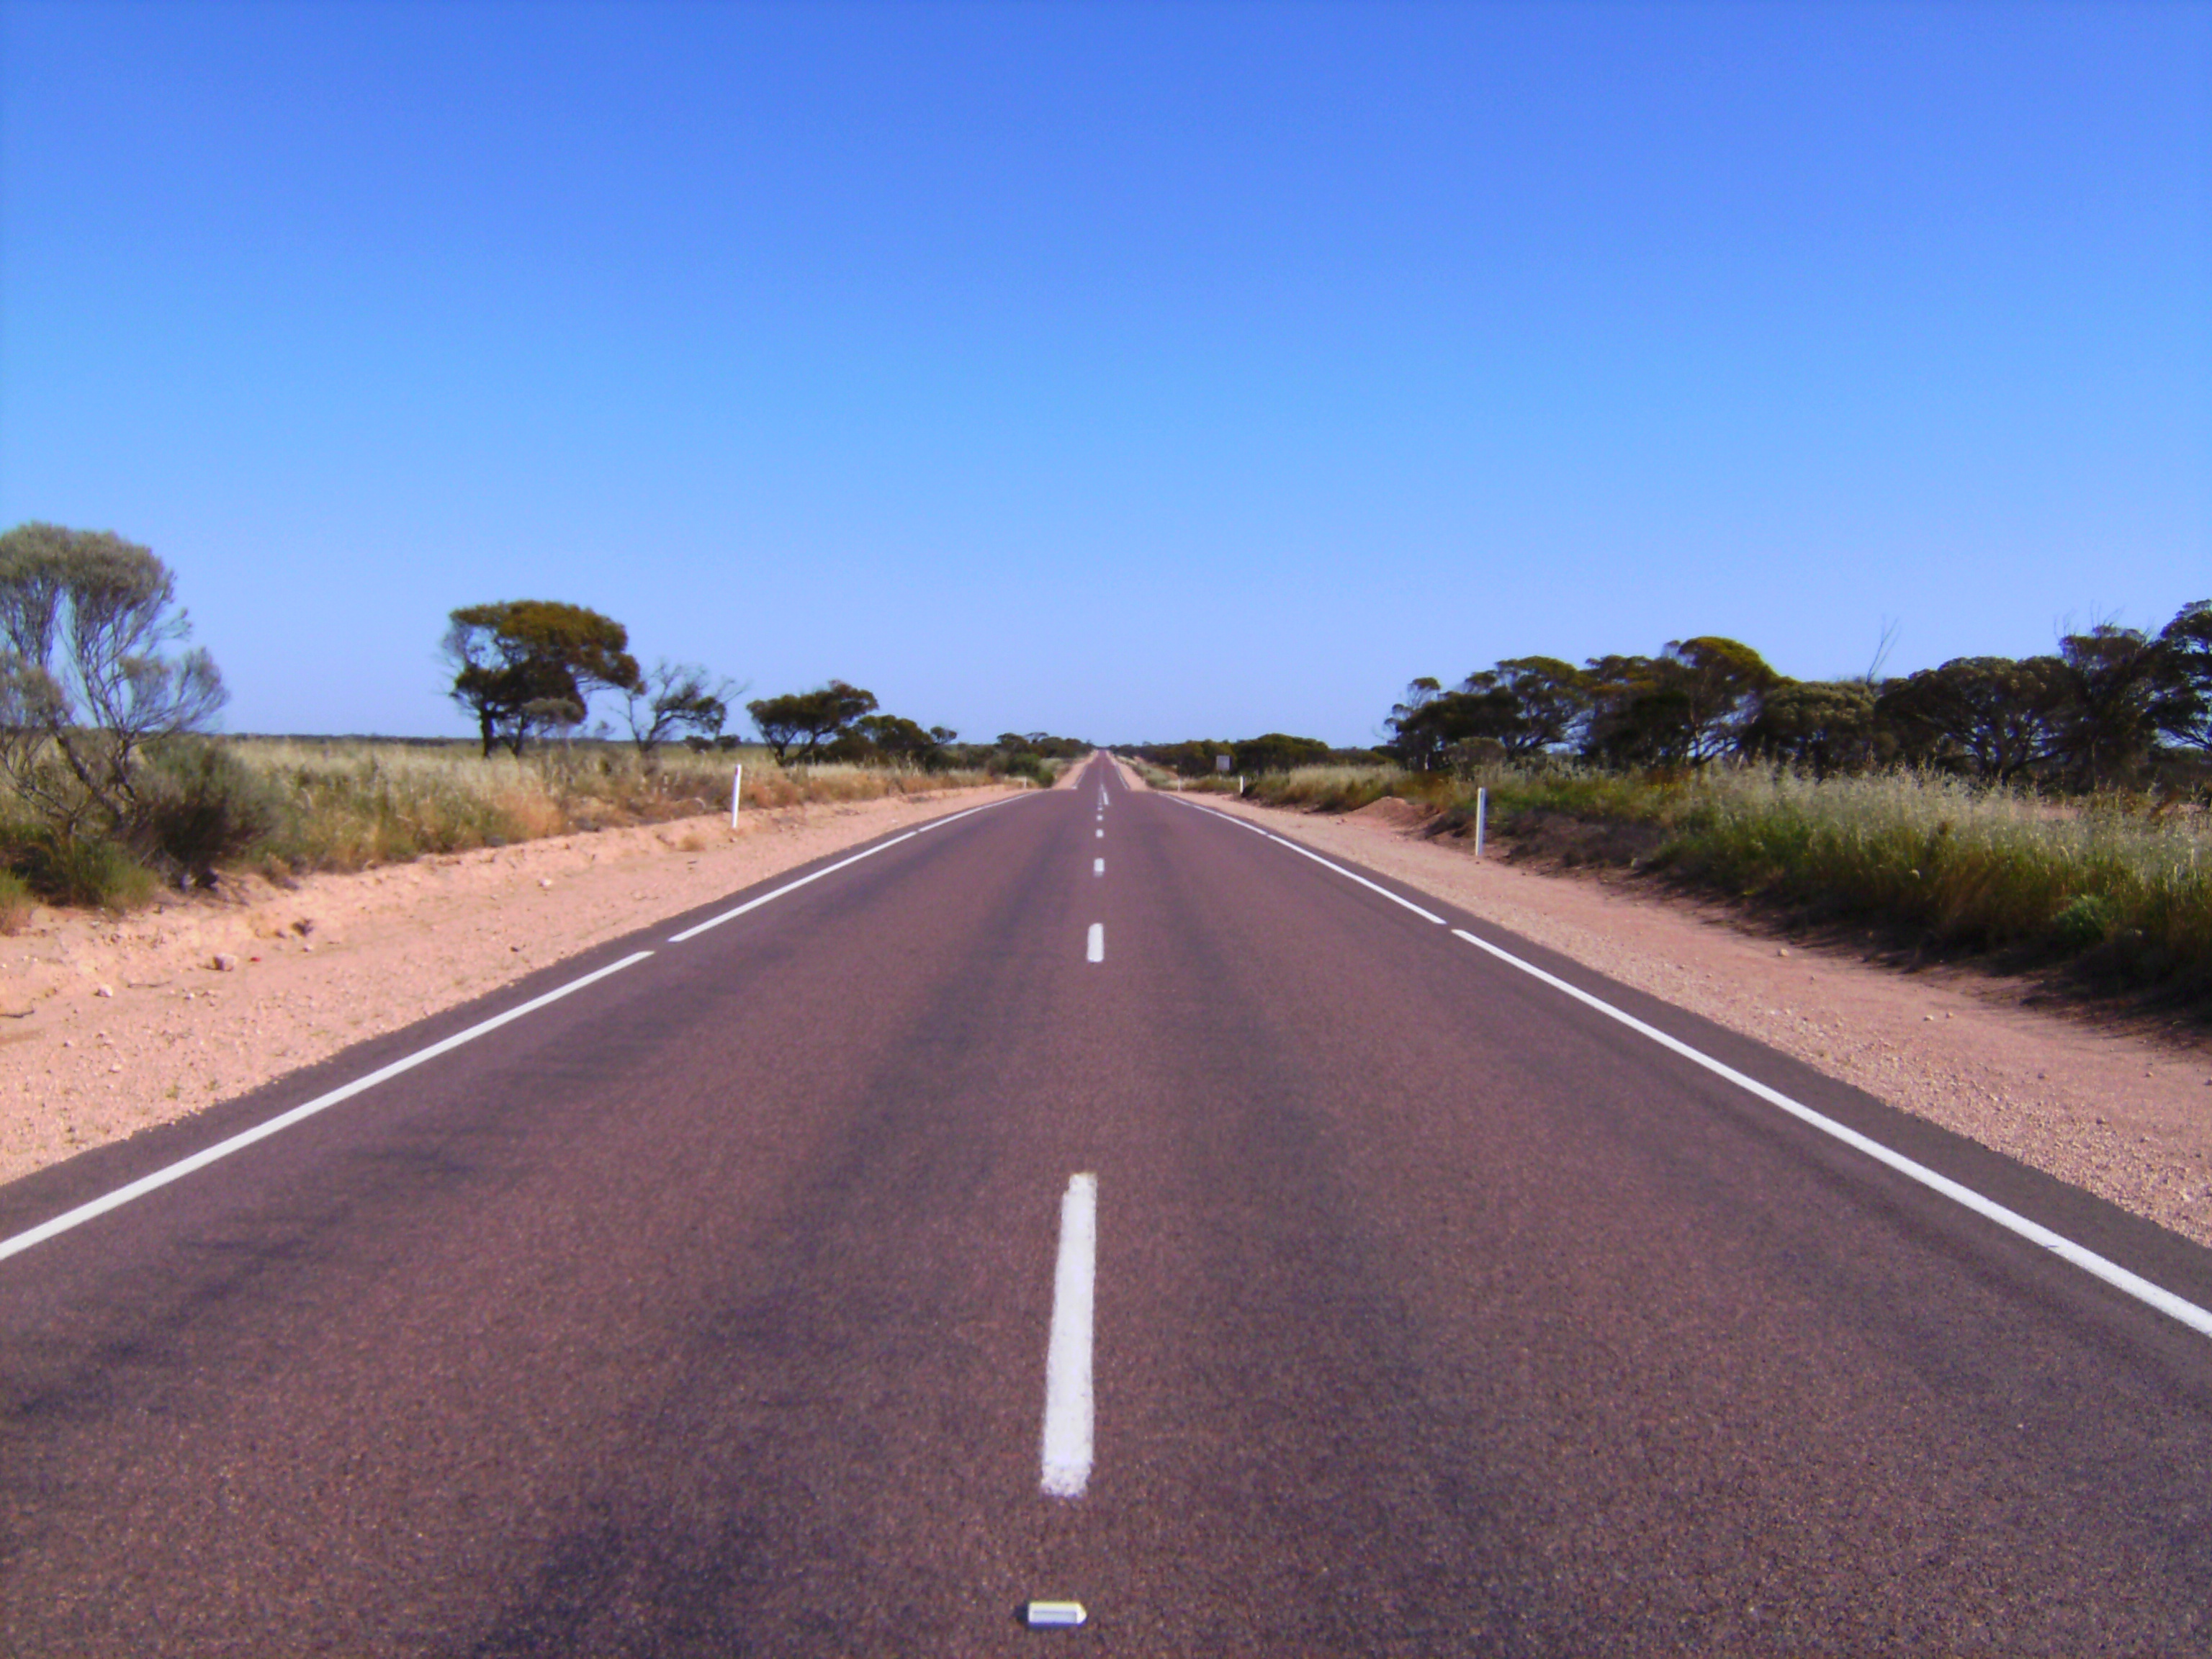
1130,371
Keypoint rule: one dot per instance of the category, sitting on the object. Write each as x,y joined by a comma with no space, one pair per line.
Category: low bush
2084,924
18,902
197,807
2119,882
87,870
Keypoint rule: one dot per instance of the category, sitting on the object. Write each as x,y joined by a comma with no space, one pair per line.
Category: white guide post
1481,810
737,783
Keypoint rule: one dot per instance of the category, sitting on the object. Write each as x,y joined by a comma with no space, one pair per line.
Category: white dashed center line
1067,1405
1098,867
1095,950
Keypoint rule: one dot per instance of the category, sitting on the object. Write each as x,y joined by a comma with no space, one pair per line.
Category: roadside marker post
737,783
1481,810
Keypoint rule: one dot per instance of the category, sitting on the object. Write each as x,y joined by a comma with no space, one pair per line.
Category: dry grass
2122,883
346,804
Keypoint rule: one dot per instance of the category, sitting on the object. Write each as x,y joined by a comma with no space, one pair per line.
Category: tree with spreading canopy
1823,727
2107,718
1994,717
1548,699
523,665
1690,704
892,738
814,718
1279,751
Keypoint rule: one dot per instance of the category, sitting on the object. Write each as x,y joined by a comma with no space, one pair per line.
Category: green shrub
2084,924
84,870
198,807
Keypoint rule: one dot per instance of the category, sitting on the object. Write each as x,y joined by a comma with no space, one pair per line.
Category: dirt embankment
2123,1114
115,1023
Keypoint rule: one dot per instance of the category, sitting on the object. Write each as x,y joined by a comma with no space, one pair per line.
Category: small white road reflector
1053,1615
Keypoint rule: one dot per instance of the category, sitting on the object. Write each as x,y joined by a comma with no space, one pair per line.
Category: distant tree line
526,668
1272,752
2112,705
841,722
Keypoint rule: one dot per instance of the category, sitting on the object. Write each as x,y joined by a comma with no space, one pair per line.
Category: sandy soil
2125,1115
112,1024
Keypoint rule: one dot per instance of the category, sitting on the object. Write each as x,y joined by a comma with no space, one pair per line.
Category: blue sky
1130,371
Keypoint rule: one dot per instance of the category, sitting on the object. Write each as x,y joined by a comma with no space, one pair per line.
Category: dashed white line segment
1064,1462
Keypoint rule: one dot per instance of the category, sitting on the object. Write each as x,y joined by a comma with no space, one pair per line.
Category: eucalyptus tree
523,665
95,666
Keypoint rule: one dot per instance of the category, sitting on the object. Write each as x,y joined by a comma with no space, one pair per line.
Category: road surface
739,1299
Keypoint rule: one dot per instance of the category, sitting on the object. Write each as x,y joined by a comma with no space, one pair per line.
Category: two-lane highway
1091,1199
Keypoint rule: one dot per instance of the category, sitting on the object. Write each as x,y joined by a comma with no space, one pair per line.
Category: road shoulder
2122,1116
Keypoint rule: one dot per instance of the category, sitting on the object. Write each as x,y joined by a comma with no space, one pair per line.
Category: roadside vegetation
113,785
2053,809
2118,885
351,804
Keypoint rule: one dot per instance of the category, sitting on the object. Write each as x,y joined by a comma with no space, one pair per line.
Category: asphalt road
706,1308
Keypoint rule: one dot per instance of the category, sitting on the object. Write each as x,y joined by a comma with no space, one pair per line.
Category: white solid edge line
1094,949
2174,1307
792,886
2197,1319
955,818
1064,1464
183,1167
1305,851
1224,817
1373,887
830,869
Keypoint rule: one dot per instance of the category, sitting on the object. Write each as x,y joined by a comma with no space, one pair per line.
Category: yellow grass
344,804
